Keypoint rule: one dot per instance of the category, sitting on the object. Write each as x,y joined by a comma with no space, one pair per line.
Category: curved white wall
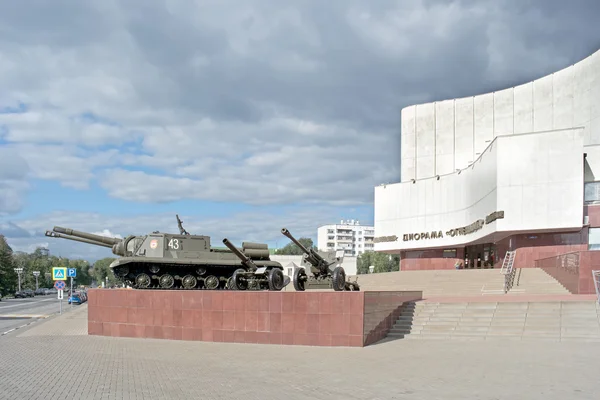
536,179
441,137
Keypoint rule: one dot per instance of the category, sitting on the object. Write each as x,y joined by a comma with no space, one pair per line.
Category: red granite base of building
354,319
529,247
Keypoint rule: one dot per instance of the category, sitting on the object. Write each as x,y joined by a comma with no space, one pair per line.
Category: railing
564,268
596,279
508,269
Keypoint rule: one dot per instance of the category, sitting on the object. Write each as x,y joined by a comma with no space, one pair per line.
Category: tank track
149,276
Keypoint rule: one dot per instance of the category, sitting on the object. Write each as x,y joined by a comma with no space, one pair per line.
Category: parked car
78,297
24,293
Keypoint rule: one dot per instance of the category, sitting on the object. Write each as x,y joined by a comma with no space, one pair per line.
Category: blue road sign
71,273
59,285
59,273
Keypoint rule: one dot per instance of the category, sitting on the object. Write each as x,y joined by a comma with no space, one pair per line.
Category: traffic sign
59,285
72,273
59,273
60,294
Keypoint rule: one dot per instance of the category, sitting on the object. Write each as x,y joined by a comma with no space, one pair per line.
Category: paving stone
54,360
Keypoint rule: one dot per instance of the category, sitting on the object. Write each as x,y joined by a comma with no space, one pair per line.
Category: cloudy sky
242,116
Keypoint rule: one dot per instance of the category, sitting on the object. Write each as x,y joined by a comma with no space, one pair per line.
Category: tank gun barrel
84,235
77,239
245,259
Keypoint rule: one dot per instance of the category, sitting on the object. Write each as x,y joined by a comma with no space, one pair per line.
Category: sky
244,116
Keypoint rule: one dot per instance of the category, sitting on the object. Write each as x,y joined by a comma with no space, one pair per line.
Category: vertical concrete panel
563,99
425,131
503,112
582,82
484,122
444,137
543,118
523,108
408,143
594,127
463,132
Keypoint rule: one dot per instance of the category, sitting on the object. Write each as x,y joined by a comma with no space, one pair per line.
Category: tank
325,270
183,261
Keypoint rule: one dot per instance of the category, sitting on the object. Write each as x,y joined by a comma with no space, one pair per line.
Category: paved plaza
55,359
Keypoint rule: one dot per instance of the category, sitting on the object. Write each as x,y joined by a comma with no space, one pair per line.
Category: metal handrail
509,271
596,279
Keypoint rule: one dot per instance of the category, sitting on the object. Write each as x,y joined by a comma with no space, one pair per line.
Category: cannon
253,276
184,261
325,268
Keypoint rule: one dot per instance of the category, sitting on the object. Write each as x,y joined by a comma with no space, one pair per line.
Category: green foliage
40,260
101,271
291,249
381,261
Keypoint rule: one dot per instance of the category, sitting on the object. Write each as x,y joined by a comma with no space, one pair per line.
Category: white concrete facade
350,236
442,137
518,153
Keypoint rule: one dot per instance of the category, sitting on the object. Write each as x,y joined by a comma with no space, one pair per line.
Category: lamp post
19,271
36,274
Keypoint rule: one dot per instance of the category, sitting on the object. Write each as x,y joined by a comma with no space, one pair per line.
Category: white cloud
261,102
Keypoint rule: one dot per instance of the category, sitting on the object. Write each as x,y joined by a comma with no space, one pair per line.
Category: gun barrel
85,235
293,239
236,251
77,239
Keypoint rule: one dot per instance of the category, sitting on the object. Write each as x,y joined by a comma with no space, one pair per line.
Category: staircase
475,282
554,321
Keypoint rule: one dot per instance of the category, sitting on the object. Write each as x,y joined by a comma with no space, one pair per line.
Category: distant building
350,236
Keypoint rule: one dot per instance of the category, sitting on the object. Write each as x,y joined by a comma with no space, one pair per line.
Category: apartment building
349,235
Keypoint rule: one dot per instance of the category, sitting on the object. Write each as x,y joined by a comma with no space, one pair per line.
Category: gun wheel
211,282
275,279
299,279
166,281
338,279
238,281
189,282
142,281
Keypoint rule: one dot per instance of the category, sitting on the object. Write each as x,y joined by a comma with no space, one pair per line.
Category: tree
291,249
101,270
381,261
8,277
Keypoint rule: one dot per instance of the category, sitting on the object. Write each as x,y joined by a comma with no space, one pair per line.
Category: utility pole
36,274
19,271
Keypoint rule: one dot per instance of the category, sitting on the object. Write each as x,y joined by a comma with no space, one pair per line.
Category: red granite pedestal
354,319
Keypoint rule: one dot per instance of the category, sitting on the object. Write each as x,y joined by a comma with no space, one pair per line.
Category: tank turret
184,261
325,267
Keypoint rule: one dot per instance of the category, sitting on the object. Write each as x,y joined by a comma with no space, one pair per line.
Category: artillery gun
183,261
325,268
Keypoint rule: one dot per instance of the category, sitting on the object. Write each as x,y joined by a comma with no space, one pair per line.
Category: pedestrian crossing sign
59,273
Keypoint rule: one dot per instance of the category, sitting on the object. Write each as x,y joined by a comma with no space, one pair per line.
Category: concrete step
555,321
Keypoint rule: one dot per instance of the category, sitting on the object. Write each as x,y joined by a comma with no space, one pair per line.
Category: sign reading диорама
438,234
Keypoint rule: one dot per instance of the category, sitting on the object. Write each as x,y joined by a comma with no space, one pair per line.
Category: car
24,293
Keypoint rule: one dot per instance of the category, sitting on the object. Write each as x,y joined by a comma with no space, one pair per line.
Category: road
15,313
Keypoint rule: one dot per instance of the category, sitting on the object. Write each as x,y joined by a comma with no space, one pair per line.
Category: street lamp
19,271
36,274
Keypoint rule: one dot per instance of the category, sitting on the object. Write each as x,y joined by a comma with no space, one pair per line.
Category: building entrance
480,256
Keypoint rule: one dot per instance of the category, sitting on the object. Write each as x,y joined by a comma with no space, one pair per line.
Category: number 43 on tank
174,244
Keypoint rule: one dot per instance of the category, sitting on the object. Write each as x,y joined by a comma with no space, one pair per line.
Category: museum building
517,169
